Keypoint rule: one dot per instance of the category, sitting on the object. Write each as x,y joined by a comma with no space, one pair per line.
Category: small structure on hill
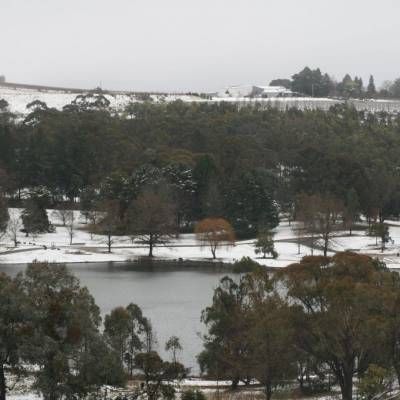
255,91
2,79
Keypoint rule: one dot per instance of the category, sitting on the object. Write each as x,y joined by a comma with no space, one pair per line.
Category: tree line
313,82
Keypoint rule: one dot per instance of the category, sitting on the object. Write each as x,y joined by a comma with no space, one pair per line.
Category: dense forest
242,164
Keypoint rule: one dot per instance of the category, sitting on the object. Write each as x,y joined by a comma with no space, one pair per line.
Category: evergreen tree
15,325
4,216
35,219
65,322
371,90
265,244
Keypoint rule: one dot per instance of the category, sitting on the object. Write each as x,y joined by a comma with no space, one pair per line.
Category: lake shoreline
159,264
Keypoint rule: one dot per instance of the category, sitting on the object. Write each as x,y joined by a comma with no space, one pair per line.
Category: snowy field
55,247
19,98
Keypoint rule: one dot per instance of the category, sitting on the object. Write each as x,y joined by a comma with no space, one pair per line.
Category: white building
255,91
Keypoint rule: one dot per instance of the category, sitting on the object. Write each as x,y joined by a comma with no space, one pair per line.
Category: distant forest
317,84
242,164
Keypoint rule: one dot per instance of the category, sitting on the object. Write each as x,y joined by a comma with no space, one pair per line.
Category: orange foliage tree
214,233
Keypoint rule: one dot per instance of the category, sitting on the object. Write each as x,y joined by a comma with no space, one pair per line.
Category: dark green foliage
287,83
127,331
246,264
15,330
265,244
226,353
249,203
35,219
371,90
312,83
218,160
159,375
249,333
4,216
380,230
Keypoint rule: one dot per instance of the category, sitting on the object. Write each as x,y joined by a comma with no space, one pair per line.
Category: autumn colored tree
214,233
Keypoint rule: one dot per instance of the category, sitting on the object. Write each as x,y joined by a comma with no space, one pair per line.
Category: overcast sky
199,45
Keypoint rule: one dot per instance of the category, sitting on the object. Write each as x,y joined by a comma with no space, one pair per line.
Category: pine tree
371,90
34,218
4,216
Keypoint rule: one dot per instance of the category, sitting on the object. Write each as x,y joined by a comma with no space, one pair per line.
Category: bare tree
70,224
151,218
109,222
322,216
14,227
215,233
61,214
93,216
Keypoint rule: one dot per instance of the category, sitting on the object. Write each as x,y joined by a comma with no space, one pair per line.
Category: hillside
18,96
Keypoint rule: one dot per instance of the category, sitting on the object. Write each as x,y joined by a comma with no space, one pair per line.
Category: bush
246,264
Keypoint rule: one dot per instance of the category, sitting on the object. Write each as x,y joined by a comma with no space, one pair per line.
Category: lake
172,295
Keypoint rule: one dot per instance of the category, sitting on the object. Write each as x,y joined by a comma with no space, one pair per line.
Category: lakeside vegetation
312,327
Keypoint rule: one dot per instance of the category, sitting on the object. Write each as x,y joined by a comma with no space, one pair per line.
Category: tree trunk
151,246
346,383
268,391
326,243
109,243
213,253
235,383
3,388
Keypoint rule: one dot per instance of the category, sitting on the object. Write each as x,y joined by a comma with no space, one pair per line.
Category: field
55,247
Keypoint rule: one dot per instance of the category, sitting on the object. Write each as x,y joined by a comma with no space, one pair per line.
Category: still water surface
172,298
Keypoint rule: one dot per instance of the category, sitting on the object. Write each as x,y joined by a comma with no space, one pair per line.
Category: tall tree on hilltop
371,90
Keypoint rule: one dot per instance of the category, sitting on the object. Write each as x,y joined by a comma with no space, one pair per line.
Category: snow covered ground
19,98
55,247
